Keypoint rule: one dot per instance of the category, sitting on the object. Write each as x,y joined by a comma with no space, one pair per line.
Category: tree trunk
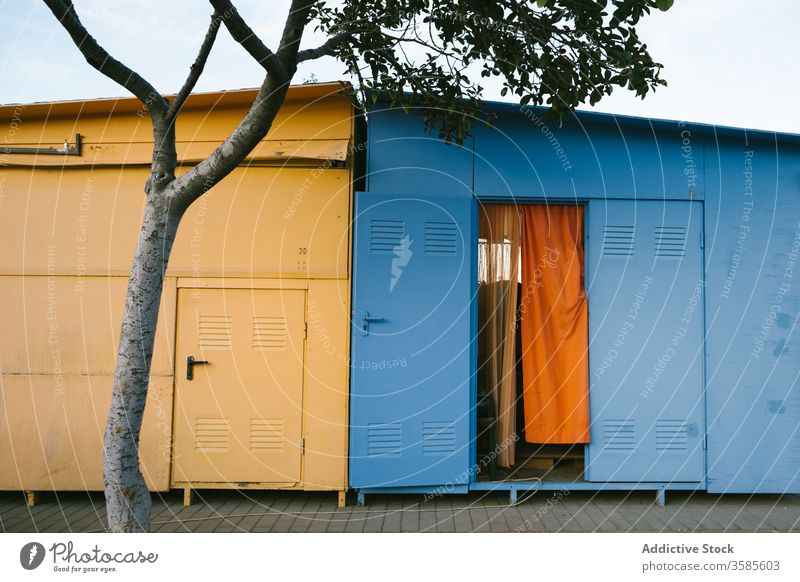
127,497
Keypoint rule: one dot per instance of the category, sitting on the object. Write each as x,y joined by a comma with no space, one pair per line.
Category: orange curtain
555,338
498,267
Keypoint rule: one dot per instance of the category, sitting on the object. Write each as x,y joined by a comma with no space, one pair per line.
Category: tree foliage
559,53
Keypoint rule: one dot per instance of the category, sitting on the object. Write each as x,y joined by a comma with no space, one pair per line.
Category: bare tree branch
256,123
197,67
245,36
99,58
326,49
296,22
231,152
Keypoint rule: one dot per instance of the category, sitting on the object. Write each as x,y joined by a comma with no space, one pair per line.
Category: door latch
366,319
190,364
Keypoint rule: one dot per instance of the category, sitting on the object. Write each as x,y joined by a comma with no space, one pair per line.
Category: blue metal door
645,292
411,346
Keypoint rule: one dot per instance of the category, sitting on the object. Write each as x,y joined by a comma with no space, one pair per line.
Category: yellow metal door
238,416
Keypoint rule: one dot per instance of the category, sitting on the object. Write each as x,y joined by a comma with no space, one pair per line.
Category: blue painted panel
410,403
645,293
753,302
403,157
753,349
520,156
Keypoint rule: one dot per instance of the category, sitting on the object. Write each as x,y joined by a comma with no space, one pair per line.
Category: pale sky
727,62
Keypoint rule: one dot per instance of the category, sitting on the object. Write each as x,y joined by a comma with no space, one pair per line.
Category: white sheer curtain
498,274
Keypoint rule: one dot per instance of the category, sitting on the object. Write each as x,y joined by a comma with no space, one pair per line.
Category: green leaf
559,53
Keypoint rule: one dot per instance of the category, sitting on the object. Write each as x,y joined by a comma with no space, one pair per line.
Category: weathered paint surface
748,183
69,230
752,304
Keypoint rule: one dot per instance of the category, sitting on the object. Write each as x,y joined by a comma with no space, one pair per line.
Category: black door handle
190,364
366,319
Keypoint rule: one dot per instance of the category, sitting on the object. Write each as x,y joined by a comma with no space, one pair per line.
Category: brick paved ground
265,511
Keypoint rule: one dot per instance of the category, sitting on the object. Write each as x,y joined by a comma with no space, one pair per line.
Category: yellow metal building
258,286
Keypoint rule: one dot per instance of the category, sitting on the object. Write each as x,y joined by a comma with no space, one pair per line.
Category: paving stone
288,511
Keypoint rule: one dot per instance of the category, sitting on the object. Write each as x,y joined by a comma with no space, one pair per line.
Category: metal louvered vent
671,435
386,235
441,238
269,333
438,438
214,331
618,240
619,435
384,440
266,435
211,435
670,241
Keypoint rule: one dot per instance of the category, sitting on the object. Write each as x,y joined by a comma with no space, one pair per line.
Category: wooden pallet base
547,463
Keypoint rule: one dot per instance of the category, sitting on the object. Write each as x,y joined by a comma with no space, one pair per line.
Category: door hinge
303,447
702,240
705,442
305,330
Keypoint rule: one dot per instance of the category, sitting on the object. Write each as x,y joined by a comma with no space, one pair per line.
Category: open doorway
533,385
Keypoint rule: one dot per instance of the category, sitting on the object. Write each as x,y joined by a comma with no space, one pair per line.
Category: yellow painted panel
73,222
256,222
238,419
299,152
72,232
307,92
268,222
240,283
51,432
70,325
329,119
327,385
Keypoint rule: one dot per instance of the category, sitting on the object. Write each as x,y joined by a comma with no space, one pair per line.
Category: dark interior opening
532,461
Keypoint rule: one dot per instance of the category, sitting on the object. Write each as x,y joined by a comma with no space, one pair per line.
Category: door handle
366,319
190,364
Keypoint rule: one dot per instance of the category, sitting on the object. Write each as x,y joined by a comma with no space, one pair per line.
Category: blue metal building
702,393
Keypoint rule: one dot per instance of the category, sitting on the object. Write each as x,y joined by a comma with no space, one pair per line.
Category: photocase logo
31,555
402,255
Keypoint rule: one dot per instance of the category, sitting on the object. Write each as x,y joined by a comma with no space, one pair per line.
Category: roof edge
581,116
216,99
